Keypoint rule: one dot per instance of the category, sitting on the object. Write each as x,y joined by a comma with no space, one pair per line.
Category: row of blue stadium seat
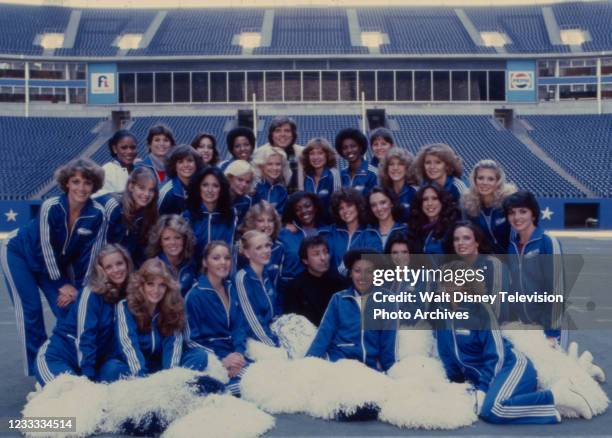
473,137
298,31
414,30
21,24
419,30
580,144
524,25
99,28
209,31
594,17
34,147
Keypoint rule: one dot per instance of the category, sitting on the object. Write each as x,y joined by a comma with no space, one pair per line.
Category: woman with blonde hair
132,214
321,176
83,340
54,253
148,325
282,133
172,240
263,217
239,173
438,164
256,292
482,203
272,175
394,175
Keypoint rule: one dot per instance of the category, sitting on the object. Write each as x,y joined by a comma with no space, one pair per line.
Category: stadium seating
580,144
34,147
594,17
54,141
475,138
99,28
202,32
21,24
315,30
211,31
184,129
419,30
524,25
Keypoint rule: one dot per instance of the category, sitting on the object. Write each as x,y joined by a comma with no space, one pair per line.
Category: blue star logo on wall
547,213
11,216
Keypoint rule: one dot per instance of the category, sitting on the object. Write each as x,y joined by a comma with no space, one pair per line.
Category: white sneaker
568,396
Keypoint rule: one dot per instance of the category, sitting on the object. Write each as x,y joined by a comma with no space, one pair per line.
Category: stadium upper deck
306,31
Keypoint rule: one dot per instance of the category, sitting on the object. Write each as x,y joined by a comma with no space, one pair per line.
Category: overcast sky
270,3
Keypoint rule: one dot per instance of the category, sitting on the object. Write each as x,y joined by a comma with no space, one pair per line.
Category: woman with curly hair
54,253
181,164
209,209
263,217
240,144
438,164
302,218
132,214
432,215
394,175
352,145
321,176
84,339
148,325
240,176
272,175
384,213
349,212
482,203
206,146
173,242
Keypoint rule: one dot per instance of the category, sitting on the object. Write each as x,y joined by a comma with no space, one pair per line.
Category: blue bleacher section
202,31
184,129
314,126
594,17
211,31
315,30
475,138
419,30
99,28
34,147
21,24
524,25
580,144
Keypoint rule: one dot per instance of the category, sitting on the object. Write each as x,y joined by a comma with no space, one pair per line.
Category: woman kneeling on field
505,380
148,325
342,334
82,340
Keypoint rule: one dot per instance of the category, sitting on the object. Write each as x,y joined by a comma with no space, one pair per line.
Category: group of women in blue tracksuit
193,257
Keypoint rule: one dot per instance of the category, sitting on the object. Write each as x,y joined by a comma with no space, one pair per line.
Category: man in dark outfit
309,293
